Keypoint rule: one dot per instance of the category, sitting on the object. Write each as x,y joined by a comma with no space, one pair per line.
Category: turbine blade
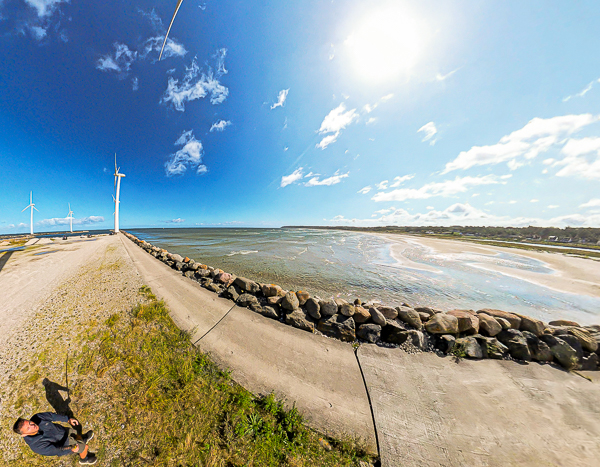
26,208
169,30
115,161
35,208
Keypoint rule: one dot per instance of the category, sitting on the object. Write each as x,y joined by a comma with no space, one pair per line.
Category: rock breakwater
485,333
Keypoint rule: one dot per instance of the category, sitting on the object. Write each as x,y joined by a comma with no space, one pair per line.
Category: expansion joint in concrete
369,399
214,326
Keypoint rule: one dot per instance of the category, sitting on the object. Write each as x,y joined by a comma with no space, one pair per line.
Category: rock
214,287
200,273
441,323
447,342
468,322
585,338
358,301
562,352
271,290
467,347
189,274
247,285
591,362
502,322
313,308
339,302
289,301
425,309
302,297
361,315
516,343
369,332
575,344
563,322
489,325
274,301
595,333
179,265
297,319
186,260
540,352
410,317
514,320
424,316
388,312
247,299
532,325
177,258
417,338
377,316
328,307
347,309
339,326
394,332
269,312
203,266
223,277
492,347
233,292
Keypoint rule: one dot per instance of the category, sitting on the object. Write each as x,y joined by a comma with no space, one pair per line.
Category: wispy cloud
179,220
583,92
189,156
315,179
135,83
220,125
429,130
282,96
383,185
400,180
38,32
333,180
120,61
334,123
195,85
365,190
536,137
154,19
291,178
440,77
66,221
45,7
444,189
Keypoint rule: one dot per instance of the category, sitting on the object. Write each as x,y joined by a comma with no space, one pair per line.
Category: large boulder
313,308
339,326
491,347
302,297
591,362
514,320
298,319
360,314
575,344
269,312
488,325
467,347
179,265
563,322
247,299
516,343
388,312
223,277
585,338
289,301
532,325
272,290
328,307
202,273
410,317
468,322
425,309
394,332
595,333
562,352
446,343
377,316
247,285
441,323
369,332
177,258
540,352
274,301
347,309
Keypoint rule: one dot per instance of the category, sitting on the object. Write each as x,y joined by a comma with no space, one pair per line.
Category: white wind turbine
70,217
32,206
118,188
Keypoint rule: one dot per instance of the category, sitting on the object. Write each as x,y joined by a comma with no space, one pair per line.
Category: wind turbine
70,216
118,188
32,206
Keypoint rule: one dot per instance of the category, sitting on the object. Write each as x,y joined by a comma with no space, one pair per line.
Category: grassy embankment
154,399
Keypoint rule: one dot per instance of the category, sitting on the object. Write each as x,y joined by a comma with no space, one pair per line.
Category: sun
386,45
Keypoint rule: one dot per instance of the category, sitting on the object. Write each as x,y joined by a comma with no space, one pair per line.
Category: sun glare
386,44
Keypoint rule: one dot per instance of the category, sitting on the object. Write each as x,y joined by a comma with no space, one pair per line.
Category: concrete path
27,276
320,375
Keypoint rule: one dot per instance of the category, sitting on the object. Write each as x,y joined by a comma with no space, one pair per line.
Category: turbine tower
118,188
70,217
32,206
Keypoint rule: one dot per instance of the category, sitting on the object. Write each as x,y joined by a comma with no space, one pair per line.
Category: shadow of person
56,400
4,258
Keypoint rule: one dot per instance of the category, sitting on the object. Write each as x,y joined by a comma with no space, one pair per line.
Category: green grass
170,405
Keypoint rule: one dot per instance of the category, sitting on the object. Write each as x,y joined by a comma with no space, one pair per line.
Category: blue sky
304,113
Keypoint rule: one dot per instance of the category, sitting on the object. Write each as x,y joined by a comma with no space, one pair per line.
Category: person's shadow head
55,398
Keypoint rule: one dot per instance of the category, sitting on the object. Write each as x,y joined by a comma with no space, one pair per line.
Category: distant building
566,240
553,238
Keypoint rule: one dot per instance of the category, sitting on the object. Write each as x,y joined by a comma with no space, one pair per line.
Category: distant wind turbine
118,188
169,30
70,217
32,206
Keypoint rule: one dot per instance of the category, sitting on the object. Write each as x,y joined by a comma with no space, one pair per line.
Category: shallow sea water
350,265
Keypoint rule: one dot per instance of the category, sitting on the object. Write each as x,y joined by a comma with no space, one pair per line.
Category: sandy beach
569,274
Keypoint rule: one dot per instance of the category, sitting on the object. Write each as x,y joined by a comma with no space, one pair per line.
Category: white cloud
172,48
291,178
334,123
383,185
364,190
154,19
220,125
135,83
179,220
512,202
66,221
553,206
38,32
386,98
536,137
582,159
333,180
583,92
191,89
534,201
445,189
429,208
44,7
189,156
400,180
440,77
429,130
371,121
592,203
121,60
281,98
